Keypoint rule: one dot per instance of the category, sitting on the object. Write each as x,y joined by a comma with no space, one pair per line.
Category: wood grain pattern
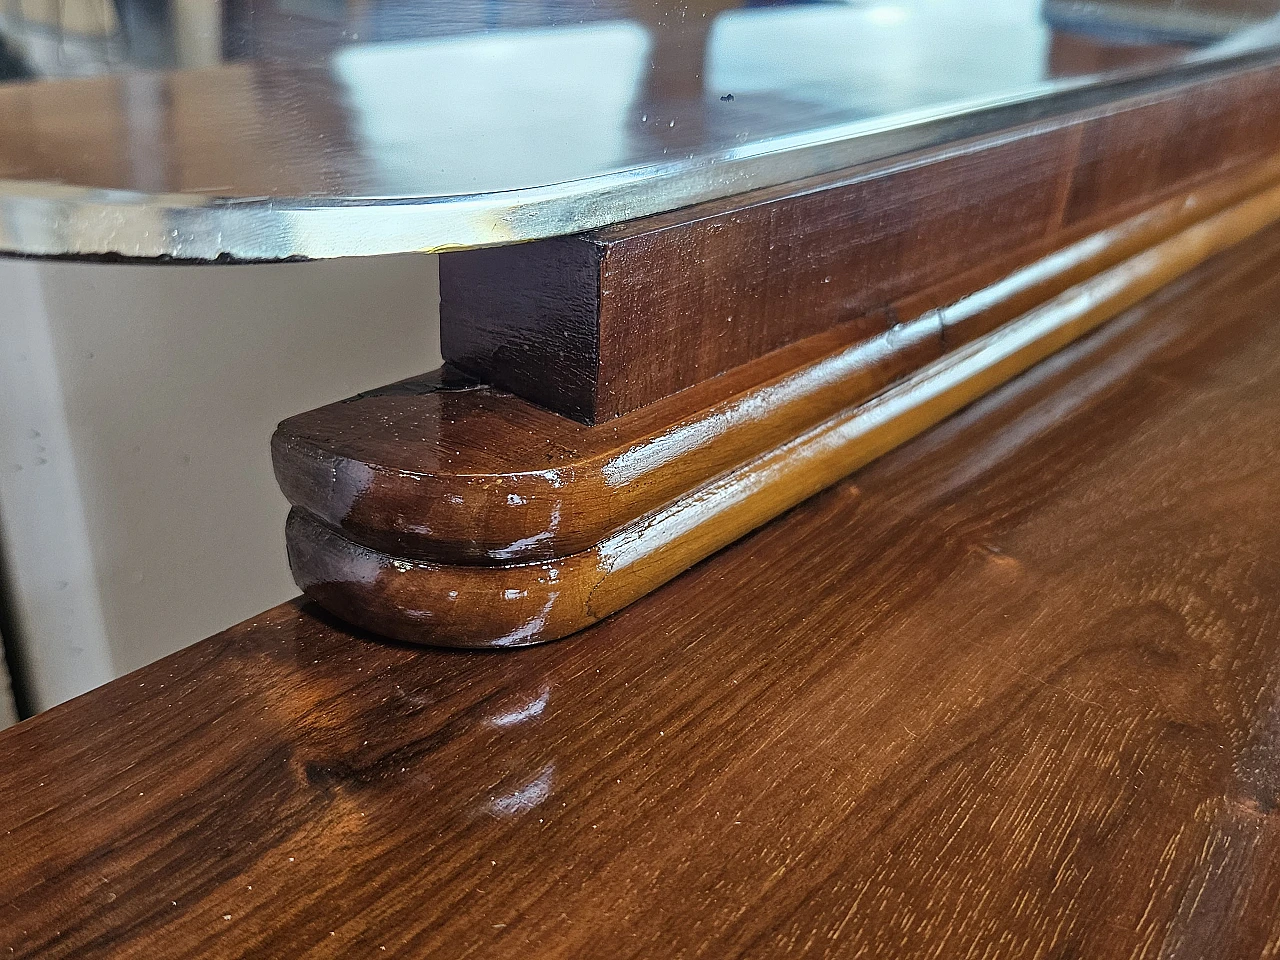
1010,691
583,325
423,470
502,606
478,475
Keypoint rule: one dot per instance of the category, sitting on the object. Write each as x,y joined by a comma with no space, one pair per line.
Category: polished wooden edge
583,324
477,606
1008,691
470,474
408,498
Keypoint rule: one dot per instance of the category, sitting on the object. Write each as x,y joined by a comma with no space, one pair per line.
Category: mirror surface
262,130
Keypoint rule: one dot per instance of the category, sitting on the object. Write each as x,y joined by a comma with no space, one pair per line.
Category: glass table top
271,129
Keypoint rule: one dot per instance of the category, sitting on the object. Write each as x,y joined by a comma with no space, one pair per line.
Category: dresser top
196,130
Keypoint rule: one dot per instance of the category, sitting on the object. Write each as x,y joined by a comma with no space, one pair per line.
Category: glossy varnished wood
472,474
502,606
1011,691
446,470
585,325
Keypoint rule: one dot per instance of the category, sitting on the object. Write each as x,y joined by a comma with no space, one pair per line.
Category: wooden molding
1009,691
584,325
494,606
460,473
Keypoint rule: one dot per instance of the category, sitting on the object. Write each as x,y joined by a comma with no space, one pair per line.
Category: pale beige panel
136,491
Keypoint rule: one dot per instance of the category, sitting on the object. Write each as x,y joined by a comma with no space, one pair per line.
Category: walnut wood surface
421,470
478,475
501,606
585,325
1010,691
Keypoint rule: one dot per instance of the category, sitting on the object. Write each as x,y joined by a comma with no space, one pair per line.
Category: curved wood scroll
474,605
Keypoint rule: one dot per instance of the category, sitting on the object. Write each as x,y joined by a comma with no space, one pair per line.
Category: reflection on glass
75,37
880,58
321,100
500,95
550,104
1154,22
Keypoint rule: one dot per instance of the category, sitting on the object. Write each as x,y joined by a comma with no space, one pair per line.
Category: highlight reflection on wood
423,470
486,606
584,325
1009,691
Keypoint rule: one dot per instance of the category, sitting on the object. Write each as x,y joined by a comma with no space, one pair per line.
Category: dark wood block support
601,324
482,605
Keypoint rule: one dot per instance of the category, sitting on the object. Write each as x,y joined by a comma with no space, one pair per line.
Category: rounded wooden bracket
453,514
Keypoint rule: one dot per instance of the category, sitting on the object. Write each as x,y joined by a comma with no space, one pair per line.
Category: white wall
137,504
